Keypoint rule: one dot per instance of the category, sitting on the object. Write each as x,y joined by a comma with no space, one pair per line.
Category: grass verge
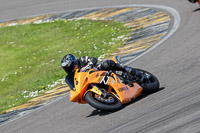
30,54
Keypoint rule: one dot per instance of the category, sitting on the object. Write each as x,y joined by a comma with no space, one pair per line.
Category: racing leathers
85,63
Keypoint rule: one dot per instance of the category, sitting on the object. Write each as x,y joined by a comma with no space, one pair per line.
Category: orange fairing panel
125,92
83,79
81,82
74,96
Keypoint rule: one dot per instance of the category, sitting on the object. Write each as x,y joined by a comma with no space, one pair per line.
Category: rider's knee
108,65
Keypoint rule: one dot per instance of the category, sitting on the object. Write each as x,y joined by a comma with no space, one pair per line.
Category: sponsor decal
97,75
123,89
96,90
112,82
118,80
105,80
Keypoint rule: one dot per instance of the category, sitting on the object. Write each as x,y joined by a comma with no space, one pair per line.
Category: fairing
82,80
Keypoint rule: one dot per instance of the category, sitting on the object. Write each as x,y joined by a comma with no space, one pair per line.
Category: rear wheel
148,82
110,103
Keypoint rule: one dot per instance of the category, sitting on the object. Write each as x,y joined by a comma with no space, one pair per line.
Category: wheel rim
109,100
114,106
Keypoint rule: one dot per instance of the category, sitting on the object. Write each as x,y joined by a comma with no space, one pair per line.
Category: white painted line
177,20
30,111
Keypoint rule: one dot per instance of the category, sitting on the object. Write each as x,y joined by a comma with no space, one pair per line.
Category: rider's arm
93,60
85,60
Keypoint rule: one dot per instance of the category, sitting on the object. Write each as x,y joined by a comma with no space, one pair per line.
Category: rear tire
91,100
151,85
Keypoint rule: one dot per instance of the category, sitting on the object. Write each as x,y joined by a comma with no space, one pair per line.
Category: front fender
95,90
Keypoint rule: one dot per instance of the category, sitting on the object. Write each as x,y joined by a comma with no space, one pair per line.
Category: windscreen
70,80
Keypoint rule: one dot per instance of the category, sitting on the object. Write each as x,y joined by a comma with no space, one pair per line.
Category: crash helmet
69,62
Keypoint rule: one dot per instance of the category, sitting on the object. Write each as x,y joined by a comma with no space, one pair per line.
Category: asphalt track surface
176,63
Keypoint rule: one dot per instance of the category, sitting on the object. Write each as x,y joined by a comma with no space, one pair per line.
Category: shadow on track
196,10
103,113
99,112
142,96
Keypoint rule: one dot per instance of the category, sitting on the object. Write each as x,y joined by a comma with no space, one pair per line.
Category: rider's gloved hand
86,68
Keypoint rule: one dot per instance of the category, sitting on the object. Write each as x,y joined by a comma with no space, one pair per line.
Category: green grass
30,54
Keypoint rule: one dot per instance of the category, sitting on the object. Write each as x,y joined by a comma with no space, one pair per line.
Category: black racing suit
86,63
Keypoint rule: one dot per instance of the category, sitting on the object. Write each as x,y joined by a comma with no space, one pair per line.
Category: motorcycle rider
70,63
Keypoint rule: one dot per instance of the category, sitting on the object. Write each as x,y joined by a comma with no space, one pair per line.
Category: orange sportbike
109,90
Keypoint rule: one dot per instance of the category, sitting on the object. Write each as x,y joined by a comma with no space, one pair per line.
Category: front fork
98,91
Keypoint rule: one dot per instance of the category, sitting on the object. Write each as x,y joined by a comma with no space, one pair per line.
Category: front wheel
111,103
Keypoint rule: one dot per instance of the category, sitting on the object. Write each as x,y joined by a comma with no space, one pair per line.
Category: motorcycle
109,90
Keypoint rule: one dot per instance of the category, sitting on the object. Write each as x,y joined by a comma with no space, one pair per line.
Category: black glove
87,67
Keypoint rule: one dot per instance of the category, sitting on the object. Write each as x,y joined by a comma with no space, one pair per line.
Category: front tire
101,105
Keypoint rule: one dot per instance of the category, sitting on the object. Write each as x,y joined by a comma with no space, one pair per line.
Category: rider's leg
111,65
